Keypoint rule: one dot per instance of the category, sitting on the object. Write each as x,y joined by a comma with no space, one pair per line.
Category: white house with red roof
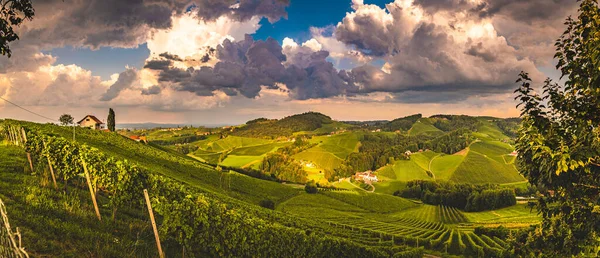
91,122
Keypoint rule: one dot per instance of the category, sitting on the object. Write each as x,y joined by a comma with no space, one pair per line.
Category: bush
266,203
311,187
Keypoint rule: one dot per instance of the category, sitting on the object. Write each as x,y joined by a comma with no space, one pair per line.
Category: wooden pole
50,165
30,163
24,135
160,252
89,182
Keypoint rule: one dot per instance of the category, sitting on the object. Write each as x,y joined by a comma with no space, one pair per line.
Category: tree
559,144
12,14
111,120
66,119
311,187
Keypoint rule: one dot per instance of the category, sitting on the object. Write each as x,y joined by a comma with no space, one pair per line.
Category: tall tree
12,14
559,144
66,119
111,120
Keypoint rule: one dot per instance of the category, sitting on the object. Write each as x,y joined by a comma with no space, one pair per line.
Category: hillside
173,181
384,221
283,127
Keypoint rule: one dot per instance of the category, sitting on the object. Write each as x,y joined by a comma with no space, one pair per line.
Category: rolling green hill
360,223
424,126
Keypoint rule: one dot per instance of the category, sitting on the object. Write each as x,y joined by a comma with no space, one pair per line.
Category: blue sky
301,16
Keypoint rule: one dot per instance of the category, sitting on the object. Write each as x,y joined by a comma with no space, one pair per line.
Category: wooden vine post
160,252
50,165
89,182
24,138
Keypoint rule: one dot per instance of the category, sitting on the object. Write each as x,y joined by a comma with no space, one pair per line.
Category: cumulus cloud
433,54
126,79
247,65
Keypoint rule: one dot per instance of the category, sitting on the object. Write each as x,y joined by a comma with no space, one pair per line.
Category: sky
226,62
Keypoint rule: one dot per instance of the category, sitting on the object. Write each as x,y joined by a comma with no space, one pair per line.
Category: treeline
402,124
462,196
203,225
264,128
282,166
448,123
179,139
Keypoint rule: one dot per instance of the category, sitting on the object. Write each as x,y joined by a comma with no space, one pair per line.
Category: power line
53,120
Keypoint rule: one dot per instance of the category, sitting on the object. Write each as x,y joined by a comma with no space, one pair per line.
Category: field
423,126
330,151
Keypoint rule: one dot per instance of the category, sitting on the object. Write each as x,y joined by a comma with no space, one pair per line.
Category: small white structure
407,153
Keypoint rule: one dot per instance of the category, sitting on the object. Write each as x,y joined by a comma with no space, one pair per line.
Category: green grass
492,149
310,201
378,203
240,161
444,166
404,170
489,131
423,126
515,216
319,156
232,142
478,169
258,150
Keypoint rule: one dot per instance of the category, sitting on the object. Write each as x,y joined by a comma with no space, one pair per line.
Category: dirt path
430,165
372,191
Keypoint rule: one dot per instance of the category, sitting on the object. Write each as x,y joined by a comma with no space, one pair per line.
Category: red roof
92,117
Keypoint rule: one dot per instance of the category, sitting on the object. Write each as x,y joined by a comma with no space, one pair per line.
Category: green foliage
266,203
110,122
66,119
261,128
12,14
283,167
311,187
402,124
559,144
462,196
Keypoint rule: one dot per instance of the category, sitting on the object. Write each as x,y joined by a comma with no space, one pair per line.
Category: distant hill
287,126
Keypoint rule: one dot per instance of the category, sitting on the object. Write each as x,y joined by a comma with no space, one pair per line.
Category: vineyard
202,223
429,227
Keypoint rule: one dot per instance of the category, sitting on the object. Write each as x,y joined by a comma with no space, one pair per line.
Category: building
138,138
366,176
90,122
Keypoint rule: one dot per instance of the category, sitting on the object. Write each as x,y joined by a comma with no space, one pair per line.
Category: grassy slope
477,169
518,215
330,151
444,166
178,167
423,126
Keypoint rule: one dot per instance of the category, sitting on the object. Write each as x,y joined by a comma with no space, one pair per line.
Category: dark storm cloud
527,11
152,90
119,23
158,64
125,81
168,56
247,65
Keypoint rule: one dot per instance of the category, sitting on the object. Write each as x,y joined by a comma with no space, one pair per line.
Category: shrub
266,203
311,187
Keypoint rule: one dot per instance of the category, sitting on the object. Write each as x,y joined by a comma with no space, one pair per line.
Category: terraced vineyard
439,229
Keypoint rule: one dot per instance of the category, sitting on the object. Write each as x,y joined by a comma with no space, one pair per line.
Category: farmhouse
139,138
90,121
366,176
